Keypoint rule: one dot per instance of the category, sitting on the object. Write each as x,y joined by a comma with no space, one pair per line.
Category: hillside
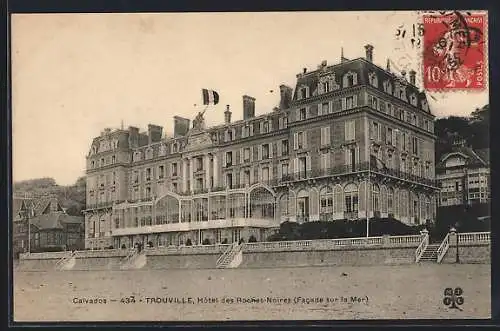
71,197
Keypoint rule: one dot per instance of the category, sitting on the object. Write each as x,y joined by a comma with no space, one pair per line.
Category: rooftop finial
121,126
388,65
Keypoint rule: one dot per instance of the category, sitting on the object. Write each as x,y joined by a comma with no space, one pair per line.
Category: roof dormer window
413,99
350,79
372,78
303,92
149,153
388,87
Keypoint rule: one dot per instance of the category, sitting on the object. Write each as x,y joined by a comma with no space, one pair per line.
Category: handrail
421,248
443,248
226,252
64,259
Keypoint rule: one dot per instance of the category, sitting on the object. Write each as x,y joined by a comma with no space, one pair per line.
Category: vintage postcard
250,166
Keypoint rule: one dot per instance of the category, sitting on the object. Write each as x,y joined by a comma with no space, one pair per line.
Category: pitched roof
55,220
20,203
473,157
43,205
484,154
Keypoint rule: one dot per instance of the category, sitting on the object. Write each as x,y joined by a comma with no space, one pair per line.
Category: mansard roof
362,68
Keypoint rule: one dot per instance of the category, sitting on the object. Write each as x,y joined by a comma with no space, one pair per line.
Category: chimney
304,70
181,126
105,132
227,115
133,136
342,58
154,133
248,107
286,93
412,76
388,66
369,52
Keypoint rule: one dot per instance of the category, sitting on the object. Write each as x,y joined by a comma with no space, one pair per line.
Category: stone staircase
67,262
430,253
133,260
229,259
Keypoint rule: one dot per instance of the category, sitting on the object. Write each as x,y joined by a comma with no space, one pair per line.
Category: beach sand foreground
308,293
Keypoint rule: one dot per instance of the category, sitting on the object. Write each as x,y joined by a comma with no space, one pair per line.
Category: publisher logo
453,298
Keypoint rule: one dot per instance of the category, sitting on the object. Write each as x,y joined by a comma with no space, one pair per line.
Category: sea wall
384,250
471,248
349,256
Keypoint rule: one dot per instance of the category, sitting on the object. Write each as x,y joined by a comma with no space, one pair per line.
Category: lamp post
454,231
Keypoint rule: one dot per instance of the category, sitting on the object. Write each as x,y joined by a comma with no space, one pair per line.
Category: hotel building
351,140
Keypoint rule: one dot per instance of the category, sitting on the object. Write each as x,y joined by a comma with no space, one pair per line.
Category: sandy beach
319,293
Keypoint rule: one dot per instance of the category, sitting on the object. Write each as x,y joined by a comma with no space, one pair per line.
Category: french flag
210,97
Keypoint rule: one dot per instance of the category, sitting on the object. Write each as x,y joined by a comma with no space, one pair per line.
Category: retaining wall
356,256
469,253
383,250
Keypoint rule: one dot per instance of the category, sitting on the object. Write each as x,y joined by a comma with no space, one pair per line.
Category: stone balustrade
474,237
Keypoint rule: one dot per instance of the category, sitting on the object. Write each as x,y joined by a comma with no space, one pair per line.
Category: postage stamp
454,51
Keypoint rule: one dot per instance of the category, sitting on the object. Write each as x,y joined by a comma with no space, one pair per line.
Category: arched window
390,200
375,198
403,199
428,207
326,203
284,202
261,203
351,198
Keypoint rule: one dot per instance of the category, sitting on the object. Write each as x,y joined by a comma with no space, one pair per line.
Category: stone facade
344,128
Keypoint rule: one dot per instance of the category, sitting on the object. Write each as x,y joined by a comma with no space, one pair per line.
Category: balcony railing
346,169
100,205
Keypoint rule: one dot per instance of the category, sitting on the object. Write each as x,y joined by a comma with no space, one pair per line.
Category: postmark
454,54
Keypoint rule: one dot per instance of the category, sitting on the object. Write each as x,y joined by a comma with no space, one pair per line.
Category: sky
75,74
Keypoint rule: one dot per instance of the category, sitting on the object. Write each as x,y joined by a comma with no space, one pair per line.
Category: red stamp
455,50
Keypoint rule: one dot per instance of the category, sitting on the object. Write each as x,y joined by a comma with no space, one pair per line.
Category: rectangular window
265,151
415,146
303,93
350,130
326,87
229,158
265,174
199,163
161,172
349,102
148,174
325,108
246,153
302,114
284,169
174,169
302,167
247,177
284,147
300,140
389,136
229,180
325,136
